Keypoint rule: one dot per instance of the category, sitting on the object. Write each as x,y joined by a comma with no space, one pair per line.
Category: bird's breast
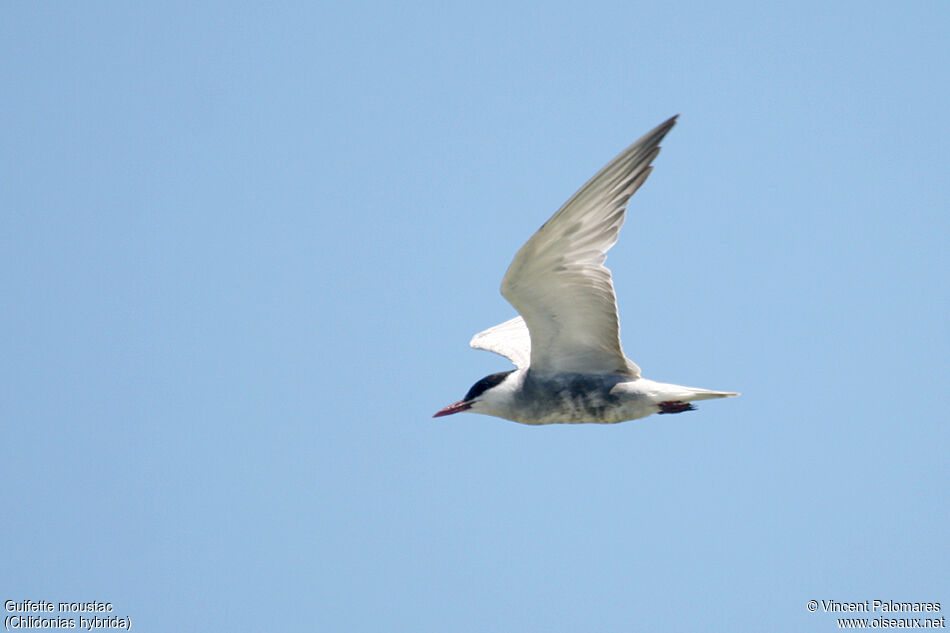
574,399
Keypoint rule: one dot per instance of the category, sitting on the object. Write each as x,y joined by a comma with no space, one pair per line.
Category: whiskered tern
570,367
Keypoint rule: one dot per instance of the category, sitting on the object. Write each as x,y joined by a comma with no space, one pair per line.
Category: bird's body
570,398
566,343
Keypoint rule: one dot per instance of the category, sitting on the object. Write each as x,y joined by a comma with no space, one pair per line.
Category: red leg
674,406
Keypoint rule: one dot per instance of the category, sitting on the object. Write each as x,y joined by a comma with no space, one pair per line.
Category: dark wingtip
656,135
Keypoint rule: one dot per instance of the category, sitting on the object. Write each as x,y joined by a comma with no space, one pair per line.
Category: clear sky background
243,249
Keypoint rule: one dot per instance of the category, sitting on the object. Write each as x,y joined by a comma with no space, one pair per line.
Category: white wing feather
558,281
510,339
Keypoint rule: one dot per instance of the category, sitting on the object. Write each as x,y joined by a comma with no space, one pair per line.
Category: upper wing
558,281
510,339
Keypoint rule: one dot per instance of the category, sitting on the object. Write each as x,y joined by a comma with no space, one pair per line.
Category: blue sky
243,248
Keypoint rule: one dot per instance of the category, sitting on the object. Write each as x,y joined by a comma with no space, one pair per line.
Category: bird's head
482,397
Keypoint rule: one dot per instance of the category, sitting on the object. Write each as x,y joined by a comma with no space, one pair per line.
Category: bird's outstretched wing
510,339
558,281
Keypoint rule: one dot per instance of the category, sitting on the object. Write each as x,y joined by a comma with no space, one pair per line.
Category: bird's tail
691,393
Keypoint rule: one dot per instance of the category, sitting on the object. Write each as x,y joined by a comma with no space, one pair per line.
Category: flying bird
570,366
